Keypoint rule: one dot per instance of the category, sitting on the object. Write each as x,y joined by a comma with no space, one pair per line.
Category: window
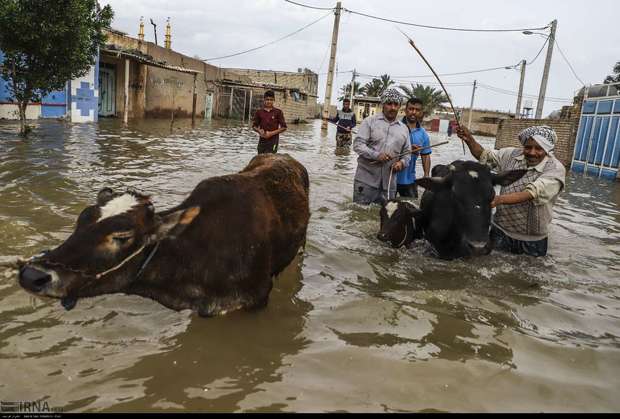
604,106
589,106
617,106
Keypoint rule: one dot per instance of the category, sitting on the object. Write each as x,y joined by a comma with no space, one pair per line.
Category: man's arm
475,148
426,164
426,155
360,143
405,152
256,126
281,123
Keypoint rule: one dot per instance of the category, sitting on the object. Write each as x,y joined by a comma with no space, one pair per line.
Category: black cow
455,210
215,252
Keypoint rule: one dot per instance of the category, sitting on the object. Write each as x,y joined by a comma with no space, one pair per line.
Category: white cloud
209,28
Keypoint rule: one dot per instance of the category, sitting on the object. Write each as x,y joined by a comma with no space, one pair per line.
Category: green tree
386,82
373,88
46,43
377,86
430,97
345,91
615,78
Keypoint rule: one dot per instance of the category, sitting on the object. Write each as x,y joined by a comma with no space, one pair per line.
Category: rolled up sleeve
543,190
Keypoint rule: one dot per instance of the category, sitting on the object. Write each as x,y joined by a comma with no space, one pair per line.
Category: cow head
463,196
398,223
105,251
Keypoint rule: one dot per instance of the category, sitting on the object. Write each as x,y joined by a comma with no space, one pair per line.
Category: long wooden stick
338,125
456,116
417,150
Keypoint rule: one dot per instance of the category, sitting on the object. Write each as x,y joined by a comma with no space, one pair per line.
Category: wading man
345,119
269,124
382,144
524,208
406,186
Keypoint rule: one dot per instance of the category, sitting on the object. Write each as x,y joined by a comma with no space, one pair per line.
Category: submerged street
352,325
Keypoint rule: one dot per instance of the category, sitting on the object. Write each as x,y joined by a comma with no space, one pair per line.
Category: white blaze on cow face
391,208
473,174
118,205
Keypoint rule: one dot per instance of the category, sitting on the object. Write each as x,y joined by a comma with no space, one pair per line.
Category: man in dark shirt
268,123
345,119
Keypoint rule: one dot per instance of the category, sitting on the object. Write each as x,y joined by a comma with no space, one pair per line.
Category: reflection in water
353,326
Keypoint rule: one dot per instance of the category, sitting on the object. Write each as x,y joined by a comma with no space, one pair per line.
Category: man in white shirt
524,208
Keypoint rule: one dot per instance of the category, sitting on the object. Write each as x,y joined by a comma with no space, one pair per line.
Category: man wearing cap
524,208
382,143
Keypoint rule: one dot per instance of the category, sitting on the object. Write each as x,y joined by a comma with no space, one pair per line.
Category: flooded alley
352,325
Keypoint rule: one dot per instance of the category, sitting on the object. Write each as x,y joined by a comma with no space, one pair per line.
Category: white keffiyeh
545,137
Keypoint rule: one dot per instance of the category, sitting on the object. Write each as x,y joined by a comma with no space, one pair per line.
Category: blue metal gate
597,147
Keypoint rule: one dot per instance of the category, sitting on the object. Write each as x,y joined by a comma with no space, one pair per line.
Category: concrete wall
156,92
306,82
566,131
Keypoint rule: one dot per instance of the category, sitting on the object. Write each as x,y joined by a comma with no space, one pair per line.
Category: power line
269,43
462,73
309,7
441,27
529,96
569,65
537,55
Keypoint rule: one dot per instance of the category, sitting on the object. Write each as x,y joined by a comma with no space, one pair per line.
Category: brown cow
215,252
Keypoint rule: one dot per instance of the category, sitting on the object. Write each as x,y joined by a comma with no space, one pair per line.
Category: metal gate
235,103
597,147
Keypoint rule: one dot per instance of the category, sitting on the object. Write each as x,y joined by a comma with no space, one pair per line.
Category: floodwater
351,326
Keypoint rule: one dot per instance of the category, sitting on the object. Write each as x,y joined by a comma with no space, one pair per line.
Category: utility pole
543,83
352,87
518,111
471,106
332,64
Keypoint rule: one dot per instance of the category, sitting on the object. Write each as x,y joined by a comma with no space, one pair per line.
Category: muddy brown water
352,325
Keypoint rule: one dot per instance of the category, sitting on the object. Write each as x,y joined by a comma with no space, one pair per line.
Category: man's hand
348,129
496,201
398,166
464,134
267,134
383,157
415,150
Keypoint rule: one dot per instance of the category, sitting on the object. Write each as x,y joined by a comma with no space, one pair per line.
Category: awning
136,56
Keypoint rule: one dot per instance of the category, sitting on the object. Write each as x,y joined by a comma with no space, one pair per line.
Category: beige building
159,82
365,106
241,92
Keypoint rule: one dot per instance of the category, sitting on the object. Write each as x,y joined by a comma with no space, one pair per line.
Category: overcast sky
588,35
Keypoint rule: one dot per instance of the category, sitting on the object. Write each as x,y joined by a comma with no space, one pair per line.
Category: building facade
597,146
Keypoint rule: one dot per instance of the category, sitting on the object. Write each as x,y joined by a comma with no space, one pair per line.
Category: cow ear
434,183
104,196
173,224
506,178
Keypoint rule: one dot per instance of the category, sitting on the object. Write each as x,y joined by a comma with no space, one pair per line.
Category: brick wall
306,81
566,130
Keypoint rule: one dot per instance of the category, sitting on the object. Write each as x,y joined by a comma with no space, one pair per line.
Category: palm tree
431,98
386,82
345,91
377,86
373,88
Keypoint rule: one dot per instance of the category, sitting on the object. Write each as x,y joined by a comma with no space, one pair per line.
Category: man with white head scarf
382,143
524,208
